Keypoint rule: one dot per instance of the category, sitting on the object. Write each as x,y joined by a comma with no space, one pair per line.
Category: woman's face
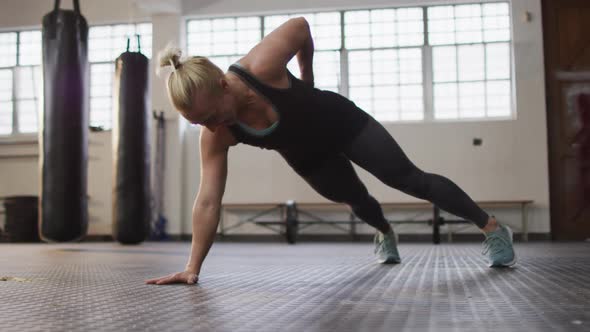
212,110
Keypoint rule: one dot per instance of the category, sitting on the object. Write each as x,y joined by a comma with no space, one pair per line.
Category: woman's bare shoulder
268,75
222,138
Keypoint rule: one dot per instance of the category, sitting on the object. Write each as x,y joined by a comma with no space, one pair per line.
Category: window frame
427,57
90,63
15,133
429,49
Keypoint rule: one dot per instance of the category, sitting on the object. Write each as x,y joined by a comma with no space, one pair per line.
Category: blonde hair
189,75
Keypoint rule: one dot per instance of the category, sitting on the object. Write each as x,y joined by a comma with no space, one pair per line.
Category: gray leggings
377,152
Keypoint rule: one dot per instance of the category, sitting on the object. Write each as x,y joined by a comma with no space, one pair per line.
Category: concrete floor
305,287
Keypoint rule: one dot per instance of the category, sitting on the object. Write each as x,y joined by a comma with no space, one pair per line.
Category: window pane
444,63
357,29
199,42
29,98
385,67
387,109
410,64
27,116
360,79
470,56
293,67
274,21
362,97
391,90
30,48
101,79
445,101
118,40
496,22
499,98
101,91
468,22
6,85
325,27
7,49
410,26
481,68
472,99
498,61
5,117
223,36
383,28
366,28
327,70
146,37
248,34
412,102
471,62
5,101
99,43
441,25
472,23
358,62
106,43
27,83
100,116
386,103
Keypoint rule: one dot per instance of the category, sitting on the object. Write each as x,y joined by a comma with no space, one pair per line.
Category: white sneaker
386,248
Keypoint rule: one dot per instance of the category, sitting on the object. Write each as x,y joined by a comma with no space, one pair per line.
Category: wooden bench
289,222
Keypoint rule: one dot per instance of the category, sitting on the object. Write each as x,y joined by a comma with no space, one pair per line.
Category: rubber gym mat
305,287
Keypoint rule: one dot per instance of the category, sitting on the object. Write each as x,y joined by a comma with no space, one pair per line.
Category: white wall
511,163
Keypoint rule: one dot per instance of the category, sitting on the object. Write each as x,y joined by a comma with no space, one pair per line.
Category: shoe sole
513,261
389,261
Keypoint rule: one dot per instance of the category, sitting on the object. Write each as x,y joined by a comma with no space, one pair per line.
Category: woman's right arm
207,206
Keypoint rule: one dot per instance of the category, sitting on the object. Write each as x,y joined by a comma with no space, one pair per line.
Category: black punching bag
63,135
131,148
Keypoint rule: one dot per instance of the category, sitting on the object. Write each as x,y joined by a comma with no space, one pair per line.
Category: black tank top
309,119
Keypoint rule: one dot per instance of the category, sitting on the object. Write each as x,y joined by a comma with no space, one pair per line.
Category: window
21,82
223,40
105,44
385,62
448,62
226,40
326,31
470,60
21,77
6,101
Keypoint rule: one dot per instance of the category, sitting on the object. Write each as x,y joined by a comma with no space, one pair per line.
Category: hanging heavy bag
63,212
131,148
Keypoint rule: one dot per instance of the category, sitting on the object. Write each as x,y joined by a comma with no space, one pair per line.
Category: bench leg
352,226
449,233
436,225
525,219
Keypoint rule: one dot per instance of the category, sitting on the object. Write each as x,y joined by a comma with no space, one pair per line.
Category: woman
319,133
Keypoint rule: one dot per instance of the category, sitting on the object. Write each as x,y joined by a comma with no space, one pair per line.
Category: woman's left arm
271,55
305,59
